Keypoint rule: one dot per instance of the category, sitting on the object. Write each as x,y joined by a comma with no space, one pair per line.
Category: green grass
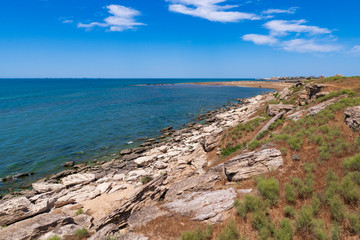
289,211
352,163
290,193
56,237
230,150
79,212
229,232
269,188
284,231
197,234
82,233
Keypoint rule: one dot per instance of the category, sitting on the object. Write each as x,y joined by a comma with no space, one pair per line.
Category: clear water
46,122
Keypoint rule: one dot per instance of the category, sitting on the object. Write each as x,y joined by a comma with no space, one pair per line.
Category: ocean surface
46,122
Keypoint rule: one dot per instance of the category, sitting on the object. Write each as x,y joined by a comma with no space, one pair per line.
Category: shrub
309,167
56,237
304,219
315,204
240,208
352,163
254,203
285,231
354,176
337,208
318,230
229,232
295,143
335,232
331,176
79,212
331,190
197,234
349,190
354,222
254,144
290,193
82,233
269,189
283,151
289,211
304,188
230,150
262,134
145,179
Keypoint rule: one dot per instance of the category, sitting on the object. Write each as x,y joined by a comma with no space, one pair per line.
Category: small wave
131,142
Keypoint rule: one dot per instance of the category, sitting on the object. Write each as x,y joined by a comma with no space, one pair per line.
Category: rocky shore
173,178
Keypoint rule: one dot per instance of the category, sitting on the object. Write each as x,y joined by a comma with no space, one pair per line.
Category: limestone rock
42,187
318,108
210,143
144,161
201,206
130,157
134,236
61,232
284,93
19,208
352,117
253,163
79,178
144,216
274,109
84,220
34,227
125,152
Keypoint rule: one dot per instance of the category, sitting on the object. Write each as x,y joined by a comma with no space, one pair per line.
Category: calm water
45,122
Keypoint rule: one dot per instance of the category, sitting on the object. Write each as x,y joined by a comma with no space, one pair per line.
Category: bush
269,189
82,233
349,190
230,150
315,204
79,212
354,176
254,144
145,179
229,232
56,237
309,167
335,232
331,176
283,151
354,222
304,189
197,234
352,163
289,211
304,219
290,193
285,231
331,190
254,203
319,231
337,208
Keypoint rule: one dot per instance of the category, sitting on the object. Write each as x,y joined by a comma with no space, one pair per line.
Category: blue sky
178,38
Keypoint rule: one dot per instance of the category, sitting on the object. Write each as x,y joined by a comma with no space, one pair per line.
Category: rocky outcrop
319,107
210,143
274,109
352,117
79,178
268,124
20,208
42,187
201,206
144,216
284,93
35,227
152,191
253,163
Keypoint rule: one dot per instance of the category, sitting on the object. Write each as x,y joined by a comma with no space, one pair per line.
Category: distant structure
321,77
339,75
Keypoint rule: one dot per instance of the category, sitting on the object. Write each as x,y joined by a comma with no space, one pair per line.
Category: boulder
284,93
201,206
19,208
144,161
42,187
352,117
273,109
84,220
253,163
133,236
35,227
79,178
210,143
125,152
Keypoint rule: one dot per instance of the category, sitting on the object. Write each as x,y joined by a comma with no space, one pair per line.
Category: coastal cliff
280,165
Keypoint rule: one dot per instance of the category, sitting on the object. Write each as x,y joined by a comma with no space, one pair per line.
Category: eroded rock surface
273,109
352,117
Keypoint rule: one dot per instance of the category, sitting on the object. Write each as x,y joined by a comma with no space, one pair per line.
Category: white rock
79,178
143,161
42,187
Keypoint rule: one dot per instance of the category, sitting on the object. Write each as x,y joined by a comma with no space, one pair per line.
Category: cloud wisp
291,10
282,27
212,10
260,39
121,19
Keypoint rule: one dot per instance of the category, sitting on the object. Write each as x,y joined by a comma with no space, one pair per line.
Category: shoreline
278,86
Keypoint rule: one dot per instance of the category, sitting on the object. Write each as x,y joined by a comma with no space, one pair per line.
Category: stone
318,108
202,182
152,191
84,220
163,149
268,124
144,216
160,165
125,152
296,115
103,187
34,227
69,164
253,163
42,187
201,206
135,174
210,143
273,109
61,232
79,178
167,129
130,157
352,117
102,234
284,93
144,161
119,177
19,208
134,236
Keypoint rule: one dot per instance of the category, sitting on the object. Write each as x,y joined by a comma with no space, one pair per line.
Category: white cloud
67,21
260,39
356,49
308,45
282,27
210,10
123,18
291,10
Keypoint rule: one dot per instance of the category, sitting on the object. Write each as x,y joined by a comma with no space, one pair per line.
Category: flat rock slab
144,216
274,109
42,187
79,178
201,206
318,108
35,227
253,163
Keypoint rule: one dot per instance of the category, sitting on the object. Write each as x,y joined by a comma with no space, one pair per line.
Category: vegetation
290,193
145,179
79,212
82,233
229,232
55,237
197,234
269,188
289,211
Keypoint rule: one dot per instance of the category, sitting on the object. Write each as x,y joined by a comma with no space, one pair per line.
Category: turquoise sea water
46,122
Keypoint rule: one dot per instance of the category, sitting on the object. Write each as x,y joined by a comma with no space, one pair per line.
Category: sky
178,38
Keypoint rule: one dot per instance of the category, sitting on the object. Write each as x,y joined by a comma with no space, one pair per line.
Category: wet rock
79,178
69,164
144,216
16,176
167,129
273,109
253,163
62,174
34,227
126,152
19,208
201,206
352,117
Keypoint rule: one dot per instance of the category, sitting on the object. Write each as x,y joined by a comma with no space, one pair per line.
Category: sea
46,122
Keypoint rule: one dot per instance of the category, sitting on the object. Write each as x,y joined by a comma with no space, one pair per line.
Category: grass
197,234
55,237
229,232
290,193
145,179
82,233
79,212
289,211
284,231
269,188
230,150
352,163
